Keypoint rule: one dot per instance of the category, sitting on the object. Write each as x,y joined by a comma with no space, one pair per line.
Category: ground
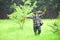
10,30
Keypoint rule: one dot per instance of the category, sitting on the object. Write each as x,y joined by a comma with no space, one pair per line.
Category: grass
10,30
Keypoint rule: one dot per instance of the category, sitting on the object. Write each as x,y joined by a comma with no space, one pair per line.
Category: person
36,22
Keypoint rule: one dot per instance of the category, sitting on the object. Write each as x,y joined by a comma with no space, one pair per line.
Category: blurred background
52,6
11,12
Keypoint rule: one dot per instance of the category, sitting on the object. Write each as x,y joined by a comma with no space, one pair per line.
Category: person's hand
45,10
41,23
23,18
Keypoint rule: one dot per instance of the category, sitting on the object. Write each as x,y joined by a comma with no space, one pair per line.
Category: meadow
10,30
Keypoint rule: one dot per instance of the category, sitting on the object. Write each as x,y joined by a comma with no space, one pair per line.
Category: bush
22,10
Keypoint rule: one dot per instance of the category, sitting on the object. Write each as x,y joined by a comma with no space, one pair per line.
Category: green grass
10,30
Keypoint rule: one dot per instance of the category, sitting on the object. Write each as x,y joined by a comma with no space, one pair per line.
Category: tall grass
10,30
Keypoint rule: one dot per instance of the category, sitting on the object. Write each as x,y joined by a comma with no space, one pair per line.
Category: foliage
0,0
47,3
5,5
59,16
22,10
55,26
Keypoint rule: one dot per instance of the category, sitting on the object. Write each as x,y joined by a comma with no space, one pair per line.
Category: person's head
35,13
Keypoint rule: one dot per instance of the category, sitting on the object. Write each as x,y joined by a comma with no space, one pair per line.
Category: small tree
22,10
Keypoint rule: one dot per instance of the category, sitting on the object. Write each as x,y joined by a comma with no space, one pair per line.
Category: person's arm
42,14
30,17
23,18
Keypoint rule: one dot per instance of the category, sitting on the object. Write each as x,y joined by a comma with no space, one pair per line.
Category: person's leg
35,30
39,29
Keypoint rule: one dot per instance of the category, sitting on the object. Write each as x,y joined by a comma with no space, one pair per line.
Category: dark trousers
37,30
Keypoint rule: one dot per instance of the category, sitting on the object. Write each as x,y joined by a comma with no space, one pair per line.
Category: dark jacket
36,19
